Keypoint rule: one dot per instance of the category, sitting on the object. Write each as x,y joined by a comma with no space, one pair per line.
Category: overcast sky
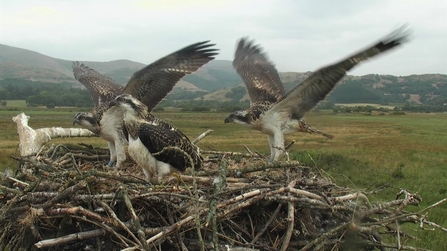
298,36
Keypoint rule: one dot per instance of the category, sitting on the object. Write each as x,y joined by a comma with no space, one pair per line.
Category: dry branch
201,136
31,141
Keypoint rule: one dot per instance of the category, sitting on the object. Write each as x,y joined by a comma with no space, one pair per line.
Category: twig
19,182
125,242
228,154
71,190
267,224
290,220
435,225
201,136
289,145
248,150
264,166
219,184
119,222
325,235
119,177
352,196
69,238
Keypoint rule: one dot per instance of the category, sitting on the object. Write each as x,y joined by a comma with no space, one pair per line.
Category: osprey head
130,105
86,120
240,117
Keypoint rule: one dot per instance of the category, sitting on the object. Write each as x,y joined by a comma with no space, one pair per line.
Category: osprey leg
120,153
276,144
112,160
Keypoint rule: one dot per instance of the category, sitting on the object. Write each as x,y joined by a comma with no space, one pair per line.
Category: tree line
46,94
64,94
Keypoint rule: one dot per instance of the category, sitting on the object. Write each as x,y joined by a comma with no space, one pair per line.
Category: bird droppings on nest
63,199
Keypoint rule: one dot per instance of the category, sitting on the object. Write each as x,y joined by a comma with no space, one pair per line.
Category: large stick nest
65,199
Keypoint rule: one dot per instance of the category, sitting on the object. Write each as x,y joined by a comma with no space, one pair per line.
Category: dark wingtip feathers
202,50
395,38
79,68
246,48
77,64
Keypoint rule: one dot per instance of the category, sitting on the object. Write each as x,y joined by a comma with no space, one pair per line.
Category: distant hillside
25,64
217,80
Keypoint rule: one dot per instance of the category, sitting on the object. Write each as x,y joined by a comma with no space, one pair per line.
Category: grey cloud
297,35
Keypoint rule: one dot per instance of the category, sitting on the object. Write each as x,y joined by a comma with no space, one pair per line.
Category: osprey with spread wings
149,85
276,113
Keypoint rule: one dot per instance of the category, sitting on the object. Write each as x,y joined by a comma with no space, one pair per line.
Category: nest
64,198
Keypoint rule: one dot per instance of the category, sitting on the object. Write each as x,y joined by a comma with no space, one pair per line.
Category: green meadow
385,152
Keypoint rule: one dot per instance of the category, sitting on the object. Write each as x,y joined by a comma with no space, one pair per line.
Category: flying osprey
274,113
158,147
150,85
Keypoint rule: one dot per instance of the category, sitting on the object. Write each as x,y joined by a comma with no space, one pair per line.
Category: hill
17,63
217,80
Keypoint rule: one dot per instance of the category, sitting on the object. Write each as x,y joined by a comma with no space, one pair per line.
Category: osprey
158,147
150,85
274,113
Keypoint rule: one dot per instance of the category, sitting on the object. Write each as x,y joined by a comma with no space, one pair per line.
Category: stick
290,220
228,154
267,224
19,182
119,222
69,238
135,219
264,166
31,141
201,136
71,190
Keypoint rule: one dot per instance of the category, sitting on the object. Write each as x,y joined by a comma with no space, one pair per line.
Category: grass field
16,103
367,104
367,152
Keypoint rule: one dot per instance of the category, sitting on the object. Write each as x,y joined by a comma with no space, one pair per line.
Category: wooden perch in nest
31,141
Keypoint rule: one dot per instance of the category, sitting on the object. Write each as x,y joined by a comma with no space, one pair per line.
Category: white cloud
297,35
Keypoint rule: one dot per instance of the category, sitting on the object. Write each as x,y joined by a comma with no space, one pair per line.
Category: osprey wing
152,83
307,94
101,88
169,145
259,74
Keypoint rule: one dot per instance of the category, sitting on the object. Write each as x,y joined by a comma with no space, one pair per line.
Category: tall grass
367,152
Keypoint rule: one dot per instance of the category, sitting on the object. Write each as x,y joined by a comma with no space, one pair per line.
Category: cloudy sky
297,35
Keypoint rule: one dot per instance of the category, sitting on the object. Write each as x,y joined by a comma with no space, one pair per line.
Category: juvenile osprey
274,113
158,147
150,85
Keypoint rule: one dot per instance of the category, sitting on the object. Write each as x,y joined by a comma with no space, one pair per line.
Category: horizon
124,59
297,36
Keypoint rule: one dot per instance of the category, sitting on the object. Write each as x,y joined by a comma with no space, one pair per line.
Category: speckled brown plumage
162,140
305,96
150,84
101,88
259,74
275,113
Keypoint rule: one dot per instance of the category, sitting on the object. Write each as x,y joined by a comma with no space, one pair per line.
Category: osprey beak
76,121
228,120
113,103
